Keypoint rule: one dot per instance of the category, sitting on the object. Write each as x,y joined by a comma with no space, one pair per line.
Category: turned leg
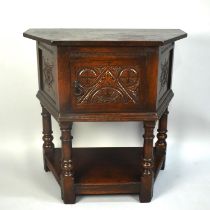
48,146
147,179
162,135
67,176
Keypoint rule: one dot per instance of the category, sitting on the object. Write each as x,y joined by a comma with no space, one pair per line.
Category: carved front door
106,85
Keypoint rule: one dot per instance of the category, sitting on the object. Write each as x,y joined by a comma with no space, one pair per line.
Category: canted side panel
108,81
165,71
47,71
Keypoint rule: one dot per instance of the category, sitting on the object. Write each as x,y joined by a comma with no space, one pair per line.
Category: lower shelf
104,170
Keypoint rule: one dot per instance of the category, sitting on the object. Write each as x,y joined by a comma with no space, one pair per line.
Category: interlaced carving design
109,84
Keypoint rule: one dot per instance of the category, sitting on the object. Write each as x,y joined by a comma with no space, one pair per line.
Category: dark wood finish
147,178
105,170
107,37
67,173
103,116
162,135
105,75
107,80
48,146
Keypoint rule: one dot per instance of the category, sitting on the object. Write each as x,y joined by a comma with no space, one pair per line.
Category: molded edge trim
105,117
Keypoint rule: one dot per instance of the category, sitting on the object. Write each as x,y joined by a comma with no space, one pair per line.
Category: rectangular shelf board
104,170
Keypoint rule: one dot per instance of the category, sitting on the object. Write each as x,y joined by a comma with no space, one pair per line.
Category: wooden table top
98,37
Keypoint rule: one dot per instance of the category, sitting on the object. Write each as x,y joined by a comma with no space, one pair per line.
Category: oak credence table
105,75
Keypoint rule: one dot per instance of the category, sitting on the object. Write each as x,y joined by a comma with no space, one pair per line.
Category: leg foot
163,165
146,193
147,179
45,165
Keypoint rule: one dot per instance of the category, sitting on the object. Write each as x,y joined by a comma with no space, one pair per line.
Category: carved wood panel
108,84
164,74
165,68
47,70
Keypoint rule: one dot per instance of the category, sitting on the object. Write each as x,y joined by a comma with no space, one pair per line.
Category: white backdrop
185,183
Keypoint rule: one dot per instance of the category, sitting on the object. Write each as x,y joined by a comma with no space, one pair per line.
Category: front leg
147,179
67,176
48,146
162,135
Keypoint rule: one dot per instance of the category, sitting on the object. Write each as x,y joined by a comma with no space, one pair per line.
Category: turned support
48,146
147,179
161,136
67,176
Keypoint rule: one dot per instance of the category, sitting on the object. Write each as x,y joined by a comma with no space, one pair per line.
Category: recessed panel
165,71
107,85
47,67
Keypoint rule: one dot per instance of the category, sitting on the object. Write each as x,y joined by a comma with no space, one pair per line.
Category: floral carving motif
48,73
108,84
128,77
164,74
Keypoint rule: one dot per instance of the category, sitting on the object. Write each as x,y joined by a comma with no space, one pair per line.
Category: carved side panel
164,74
165,70
108,84
47,68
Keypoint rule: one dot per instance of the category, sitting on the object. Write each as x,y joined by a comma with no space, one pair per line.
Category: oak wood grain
94,37
100,75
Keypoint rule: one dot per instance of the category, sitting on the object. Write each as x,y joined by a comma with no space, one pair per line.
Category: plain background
185,183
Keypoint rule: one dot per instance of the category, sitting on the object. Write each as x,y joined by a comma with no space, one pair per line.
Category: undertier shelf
104,170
